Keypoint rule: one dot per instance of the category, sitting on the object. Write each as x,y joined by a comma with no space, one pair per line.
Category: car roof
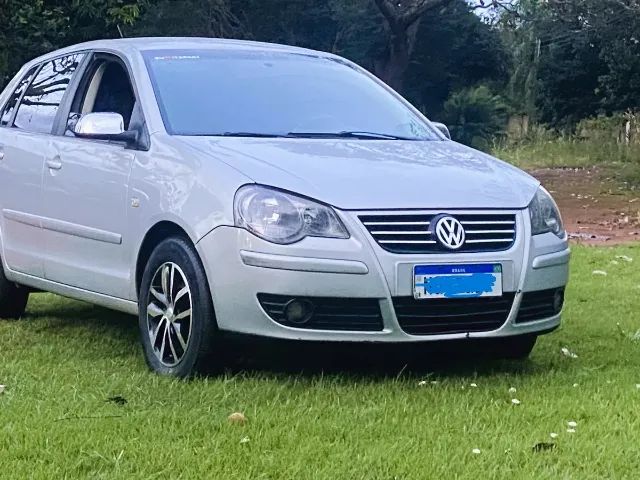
139,44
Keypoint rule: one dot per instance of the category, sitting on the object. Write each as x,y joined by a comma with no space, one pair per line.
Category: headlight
545,216
284,218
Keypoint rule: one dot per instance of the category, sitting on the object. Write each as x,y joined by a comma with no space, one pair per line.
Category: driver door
85,190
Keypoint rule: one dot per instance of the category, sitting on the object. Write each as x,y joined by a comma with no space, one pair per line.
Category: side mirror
104,126
443,129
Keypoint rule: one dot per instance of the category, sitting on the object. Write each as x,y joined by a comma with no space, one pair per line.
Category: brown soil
595,208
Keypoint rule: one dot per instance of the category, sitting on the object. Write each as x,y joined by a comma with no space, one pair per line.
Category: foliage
455,50
573,60
623,128
36,27
556,62
475,116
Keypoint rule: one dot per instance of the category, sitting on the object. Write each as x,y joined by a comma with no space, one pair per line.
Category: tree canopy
557,61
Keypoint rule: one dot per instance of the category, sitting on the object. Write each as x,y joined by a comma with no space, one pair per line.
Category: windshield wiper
250,134
348,134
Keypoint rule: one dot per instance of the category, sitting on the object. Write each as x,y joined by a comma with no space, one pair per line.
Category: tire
173,267
515,348
13,298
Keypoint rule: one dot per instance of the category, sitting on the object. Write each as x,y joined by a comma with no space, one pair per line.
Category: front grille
412,233
444,316
329,313
540,305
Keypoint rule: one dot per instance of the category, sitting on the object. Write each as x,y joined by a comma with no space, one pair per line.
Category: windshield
266,93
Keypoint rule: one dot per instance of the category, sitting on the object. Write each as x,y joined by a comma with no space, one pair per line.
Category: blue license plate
457,281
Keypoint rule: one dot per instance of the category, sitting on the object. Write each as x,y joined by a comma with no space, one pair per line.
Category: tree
573,59
475,116
402,19
455,49
36,27
188,18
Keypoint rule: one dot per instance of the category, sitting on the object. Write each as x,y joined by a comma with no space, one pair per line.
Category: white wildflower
422,383
568,353
475,451
474,385
2,387
571,430
599,272
553,435
575,385
625,258
244,440
512,390
572,424
515,401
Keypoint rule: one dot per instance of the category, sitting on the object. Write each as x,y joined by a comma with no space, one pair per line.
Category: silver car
213,186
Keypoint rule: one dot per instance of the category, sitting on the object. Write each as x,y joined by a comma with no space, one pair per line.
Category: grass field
63,361
622,162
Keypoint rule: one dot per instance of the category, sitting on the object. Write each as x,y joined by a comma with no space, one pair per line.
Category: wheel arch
154,236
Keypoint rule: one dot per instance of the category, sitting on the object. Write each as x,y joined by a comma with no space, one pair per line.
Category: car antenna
119,30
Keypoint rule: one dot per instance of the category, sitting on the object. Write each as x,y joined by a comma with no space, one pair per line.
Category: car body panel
85,215
356,175
21,202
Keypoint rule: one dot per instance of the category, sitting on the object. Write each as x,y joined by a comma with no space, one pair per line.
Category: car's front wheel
13,298
176,319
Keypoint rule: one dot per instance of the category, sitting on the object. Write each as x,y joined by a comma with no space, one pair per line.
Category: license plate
457,281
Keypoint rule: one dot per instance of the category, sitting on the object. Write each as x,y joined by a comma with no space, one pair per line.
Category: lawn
64,361
621,162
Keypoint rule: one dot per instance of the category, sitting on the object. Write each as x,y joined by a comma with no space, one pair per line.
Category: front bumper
239,266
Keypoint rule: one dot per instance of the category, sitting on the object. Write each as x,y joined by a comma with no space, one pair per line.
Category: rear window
217,92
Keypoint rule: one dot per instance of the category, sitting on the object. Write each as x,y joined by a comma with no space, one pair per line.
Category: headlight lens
284,218
545,216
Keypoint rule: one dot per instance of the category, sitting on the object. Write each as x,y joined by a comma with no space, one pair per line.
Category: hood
376,174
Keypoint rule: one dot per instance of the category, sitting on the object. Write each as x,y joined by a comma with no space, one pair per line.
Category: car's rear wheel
176,319
13,298
514,348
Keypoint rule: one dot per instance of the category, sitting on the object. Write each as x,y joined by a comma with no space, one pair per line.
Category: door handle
54,164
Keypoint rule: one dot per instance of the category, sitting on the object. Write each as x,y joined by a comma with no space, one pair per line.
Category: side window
107,88
12,103
40,103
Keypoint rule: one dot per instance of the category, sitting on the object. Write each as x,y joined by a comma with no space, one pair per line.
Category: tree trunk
392,68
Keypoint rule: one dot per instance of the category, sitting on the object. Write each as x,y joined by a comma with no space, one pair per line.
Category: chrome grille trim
410,232
370,224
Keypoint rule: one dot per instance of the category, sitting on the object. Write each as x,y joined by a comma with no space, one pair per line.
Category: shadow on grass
253,355
62,314
369,361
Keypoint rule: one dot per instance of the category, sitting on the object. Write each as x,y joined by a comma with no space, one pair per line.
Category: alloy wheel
169,310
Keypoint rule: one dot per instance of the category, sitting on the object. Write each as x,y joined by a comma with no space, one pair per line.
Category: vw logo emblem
450,232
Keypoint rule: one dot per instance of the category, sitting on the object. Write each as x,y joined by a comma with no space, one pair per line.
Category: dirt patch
596,209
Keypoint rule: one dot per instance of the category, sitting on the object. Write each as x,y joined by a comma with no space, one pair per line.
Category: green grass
64,360
567,152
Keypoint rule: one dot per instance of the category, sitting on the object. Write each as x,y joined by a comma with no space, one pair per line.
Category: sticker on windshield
177,57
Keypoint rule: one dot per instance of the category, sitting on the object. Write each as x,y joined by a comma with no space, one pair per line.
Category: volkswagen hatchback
213,186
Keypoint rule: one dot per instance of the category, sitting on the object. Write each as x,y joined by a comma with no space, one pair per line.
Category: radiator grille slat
412,232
